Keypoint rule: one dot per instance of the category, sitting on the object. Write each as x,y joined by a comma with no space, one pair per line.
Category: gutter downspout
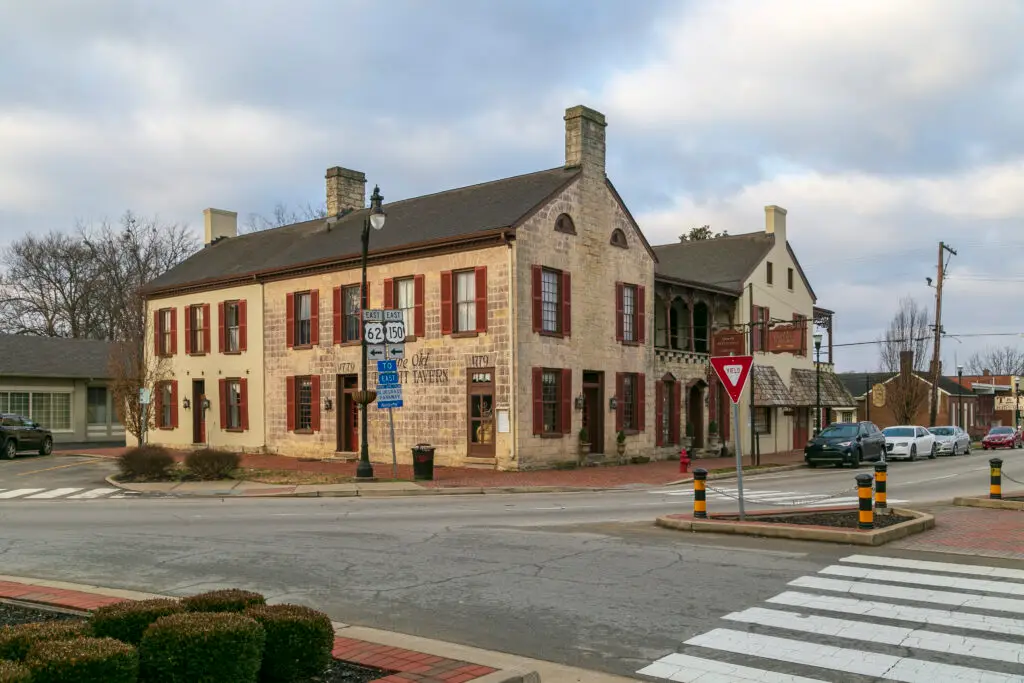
513,409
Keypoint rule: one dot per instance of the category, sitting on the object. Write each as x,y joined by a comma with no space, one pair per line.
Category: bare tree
907,396
1004,360
283,215
907,331
130,372
701,233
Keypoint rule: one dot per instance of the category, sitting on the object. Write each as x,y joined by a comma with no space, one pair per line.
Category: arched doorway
695,412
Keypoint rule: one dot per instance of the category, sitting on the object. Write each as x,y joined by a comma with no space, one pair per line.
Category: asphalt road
583,579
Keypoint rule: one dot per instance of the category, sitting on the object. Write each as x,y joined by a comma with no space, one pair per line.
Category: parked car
909,441
951,440
845,443
19,433
1002,437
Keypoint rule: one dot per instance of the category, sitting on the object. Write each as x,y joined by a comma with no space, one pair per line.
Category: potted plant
688,439
620,444
713,434
584,445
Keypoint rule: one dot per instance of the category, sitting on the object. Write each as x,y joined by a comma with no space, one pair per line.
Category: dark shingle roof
430,218
28,356
854,382
803,385
723,262
769,389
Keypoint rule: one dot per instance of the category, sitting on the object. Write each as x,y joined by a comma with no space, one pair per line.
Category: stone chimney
584,140
906,363
986,372
346,190
775,222
219,224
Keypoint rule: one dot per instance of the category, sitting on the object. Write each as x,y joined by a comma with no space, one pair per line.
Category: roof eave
697,285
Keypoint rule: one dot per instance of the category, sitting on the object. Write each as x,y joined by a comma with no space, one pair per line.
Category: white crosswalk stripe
62,493
95,493
891,619
795,499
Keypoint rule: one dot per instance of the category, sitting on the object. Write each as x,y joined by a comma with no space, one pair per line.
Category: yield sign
733,371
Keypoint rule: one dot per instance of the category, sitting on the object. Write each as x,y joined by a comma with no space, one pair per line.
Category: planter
714,443
583,452
639,459
620,448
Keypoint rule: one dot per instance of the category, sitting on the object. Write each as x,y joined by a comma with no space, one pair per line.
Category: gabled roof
854,382
54,357
430,219
769,389
723,262
803,385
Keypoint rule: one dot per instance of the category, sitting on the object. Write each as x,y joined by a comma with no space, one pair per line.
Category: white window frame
39,390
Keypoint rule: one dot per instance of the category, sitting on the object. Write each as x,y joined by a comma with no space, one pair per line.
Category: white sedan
909,442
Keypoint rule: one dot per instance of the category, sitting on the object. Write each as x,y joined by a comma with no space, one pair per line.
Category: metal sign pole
739,455
394,454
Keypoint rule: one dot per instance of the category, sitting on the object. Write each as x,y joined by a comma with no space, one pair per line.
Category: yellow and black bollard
866,516
881,475
700,501
995,486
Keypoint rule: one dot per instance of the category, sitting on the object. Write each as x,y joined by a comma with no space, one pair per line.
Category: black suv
845,443
19,433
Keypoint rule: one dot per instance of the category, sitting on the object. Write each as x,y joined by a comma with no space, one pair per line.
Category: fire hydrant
684,461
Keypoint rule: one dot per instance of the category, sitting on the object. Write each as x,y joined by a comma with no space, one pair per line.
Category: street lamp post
1016,404
960,396
817,384
375,219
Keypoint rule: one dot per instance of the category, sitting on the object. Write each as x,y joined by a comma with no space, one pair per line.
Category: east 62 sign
392,332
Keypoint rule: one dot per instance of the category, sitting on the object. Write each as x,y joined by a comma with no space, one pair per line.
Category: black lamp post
817,383
375,219
1016,403
960,396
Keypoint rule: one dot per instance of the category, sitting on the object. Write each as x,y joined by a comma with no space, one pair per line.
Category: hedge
146,462
84,660
16,641
228,600
209,463
128,620
13,672
201,647
299,642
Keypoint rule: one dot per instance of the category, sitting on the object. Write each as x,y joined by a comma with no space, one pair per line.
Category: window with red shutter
619,401
290,404
566,304
243,395
420,293
618,312
659,413
188,329
641,394
389,293
641,314
481,298
222,385
552,401
315,403
336,315
537,286
565,396
221,325
158,407
157,335
174,404
677,409
402,298
243,325
289,323
446,302
538,401
314,317
206,328
174,331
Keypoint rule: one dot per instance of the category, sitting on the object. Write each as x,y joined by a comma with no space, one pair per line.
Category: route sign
389,396
396,351
387,379
387,366
394,331
392,315
376,352
145,396
374,332
733,371
373,315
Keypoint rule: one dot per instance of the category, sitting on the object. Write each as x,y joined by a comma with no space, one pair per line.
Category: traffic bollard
866,516
881,475
995,486
700,505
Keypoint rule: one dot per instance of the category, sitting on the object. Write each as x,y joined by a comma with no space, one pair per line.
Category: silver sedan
950,440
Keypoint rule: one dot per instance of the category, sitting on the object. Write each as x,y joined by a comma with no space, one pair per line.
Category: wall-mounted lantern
613,403
186,404
327,403
579,402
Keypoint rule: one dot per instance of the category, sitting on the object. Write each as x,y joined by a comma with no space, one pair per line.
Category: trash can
423,462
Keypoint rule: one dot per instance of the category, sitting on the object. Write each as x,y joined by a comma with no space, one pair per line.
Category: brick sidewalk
407,665
972,531
650,474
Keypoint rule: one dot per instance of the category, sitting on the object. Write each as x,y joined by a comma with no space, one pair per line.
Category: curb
990,503
732,475
922,521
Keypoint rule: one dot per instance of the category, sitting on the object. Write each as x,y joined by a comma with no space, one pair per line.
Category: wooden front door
198,412
801,420
480,412
348,413
593,415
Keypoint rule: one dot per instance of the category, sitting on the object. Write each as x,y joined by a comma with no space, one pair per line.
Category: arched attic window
564,224
619,239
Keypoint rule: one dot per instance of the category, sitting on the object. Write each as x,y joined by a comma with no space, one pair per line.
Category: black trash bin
423,462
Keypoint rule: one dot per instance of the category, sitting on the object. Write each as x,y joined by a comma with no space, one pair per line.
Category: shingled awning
803,388
769,389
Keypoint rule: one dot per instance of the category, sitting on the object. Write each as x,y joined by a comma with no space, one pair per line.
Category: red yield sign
733,371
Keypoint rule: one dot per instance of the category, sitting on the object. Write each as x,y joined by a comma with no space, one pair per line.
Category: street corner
56,478
979,531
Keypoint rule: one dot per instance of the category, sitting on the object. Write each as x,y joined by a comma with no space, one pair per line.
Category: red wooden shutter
538,401
566,305
336,314
619,403
446,302
290,404
243,402
389,293
223,403
206,328
641,314
314,317
766,315
158,405
618,312
659,412
243,335
481,298
677,409
566,399
538,309
314,408
221,327
174,404
289,319
174,332
156,334
188,329
420,323
641,400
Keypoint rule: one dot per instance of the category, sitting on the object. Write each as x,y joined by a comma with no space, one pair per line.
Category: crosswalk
64,494
868,618
781,499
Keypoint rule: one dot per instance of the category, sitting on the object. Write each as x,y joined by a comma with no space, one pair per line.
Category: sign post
389,387
145,398
733,371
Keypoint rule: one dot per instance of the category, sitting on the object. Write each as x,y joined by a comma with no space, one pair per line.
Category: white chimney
219,224
775,222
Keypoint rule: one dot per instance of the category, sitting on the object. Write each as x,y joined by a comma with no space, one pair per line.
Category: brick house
996,399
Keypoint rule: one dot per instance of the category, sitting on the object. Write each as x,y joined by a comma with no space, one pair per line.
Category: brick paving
972,531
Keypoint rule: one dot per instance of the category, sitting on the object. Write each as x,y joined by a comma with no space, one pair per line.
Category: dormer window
619,239
564,224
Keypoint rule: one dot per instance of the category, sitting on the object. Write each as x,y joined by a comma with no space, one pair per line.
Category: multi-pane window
770,274
629,313
50,409
234,401
166,331
550,300
197,327
465,301
232,325
166,420
789,278
14,402
96,405
405,301
303,319
550,393
630,407
763,420
303,403
352,304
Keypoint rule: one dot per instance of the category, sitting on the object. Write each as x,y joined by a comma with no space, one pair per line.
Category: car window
898,431
839,431
1001,430
11,421
943,431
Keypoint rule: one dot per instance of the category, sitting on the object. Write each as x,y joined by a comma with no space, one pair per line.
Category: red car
1002,437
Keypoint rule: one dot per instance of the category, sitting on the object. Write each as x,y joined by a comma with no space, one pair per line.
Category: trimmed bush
146,462
299,642
210,463
13,672
202,647
227,600
127,621
16,641
84,660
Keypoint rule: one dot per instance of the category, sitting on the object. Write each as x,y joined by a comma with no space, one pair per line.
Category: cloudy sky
883,126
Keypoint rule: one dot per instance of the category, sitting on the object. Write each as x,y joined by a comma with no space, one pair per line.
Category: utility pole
936,357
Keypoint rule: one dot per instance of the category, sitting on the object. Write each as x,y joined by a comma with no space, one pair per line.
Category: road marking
688,669
17,492
55,493
948,567
886,610
982,585
881,590
781,498
58,467
95,493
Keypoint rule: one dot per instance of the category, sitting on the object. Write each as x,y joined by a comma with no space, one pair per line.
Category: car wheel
10,449
913,453
47,446
935,450
967,451
812,464
856,460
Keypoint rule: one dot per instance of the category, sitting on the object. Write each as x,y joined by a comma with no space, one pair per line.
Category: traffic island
830,525
1013,501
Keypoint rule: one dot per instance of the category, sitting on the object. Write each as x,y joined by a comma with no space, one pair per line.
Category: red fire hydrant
684,461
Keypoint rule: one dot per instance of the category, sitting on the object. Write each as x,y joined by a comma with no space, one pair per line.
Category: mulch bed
843,519
339,671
